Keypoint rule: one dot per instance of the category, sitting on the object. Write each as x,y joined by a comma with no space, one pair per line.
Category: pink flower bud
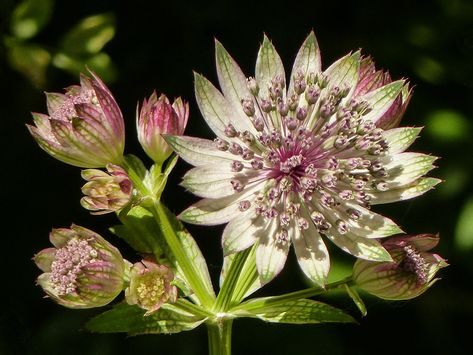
150,286
158,116
410,273
85,126
106,192
83,270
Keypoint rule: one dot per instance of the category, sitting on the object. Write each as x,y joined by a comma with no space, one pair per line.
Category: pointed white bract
297,163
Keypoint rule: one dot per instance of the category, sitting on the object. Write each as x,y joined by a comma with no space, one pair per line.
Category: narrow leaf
356,299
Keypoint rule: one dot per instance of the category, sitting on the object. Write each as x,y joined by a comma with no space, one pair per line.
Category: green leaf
137,165
302,311
74,64
356,299
90,35
130,319
30,16
464,228
29,59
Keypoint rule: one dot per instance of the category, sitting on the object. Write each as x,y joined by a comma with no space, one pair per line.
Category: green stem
220,337
180,255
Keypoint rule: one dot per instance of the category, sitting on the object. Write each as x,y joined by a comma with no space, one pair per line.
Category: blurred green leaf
131,320
89,36
29,17
339,270
429,70
447,125
99,63
455,179
464,228
29,59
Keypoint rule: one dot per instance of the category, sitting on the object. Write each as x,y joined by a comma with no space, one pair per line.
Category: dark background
156,46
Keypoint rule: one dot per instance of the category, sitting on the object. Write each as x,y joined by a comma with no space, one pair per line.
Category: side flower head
106,192
411,272
83,270
150,286
293,163
157,117
85,126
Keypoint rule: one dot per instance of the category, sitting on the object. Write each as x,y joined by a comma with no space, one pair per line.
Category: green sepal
301,311
128,319
356,299
136,164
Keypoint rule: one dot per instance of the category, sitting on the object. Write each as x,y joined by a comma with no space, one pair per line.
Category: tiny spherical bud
248,106
236,166
353,214
317,217
322,80
253,86
237,185
299,85
311,170
258,124
150,286
106,192
346,195
292,102
342,227
266,106
244,205
265,139
312,94
221,144
235,148
327,110
301,113
302,223
282,237
83,270
381,185
411,272
291,123
247,154
257,164
340,142
230,131
247,137
283,108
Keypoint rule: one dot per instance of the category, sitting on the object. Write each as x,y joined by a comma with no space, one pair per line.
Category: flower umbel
85,126
292,164
106,192
410,273
150,286
158,116
83,270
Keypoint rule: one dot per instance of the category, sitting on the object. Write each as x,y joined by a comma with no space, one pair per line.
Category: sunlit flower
85,126
292,164
150,286
83,270
106,192
158,116
411,272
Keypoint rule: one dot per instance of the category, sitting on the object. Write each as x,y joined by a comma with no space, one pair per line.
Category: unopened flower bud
410,273
83,270
150,286
106,192
157,117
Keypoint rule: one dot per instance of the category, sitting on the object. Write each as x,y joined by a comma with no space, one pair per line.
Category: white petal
412,190
199,152
268,65
363,248
307,59
270,255
408,167
344,72
381,99
312,254
234,87
214,181
399,139
240,232
219,210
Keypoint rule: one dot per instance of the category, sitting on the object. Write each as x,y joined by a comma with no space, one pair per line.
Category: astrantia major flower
292,164
85,126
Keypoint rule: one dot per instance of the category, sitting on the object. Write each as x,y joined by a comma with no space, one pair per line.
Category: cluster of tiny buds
413,263
298,160
68,263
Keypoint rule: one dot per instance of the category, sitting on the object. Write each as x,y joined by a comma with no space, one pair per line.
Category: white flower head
294,163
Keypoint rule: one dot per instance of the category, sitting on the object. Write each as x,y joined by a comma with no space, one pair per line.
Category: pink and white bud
157,116
411,272
83,270
85,126
150,286
106,192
